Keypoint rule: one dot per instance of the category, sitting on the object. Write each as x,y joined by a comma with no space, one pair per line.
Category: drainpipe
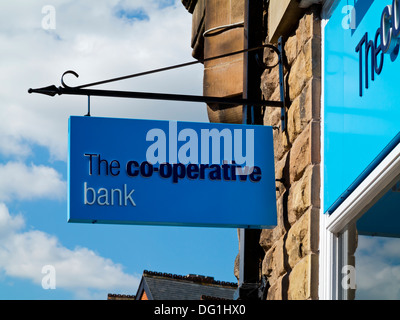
250,250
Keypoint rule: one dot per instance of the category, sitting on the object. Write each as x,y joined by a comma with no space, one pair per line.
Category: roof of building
112,296
167,286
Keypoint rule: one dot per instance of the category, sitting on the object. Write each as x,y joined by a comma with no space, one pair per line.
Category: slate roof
166,286
112,296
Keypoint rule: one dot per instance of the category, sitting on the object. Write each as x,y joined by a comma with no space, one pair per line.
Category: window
356,261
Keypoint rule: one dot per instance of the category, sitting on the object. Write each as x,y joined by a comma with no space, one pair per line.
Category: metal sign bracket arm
64,89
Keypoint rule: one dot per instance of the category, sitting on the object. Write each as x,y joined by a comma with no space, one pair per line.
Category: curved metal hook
270,46
68,72
276,50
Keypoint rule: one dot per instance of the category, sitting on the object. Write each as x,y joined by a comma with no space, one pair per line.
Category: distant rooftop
167,286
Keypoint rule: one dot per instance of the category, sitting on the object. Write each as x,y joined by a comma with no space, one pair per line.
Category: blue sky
99,40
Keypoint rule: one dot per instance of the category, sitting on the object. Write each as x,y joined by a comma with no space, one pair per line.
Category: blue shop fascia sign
361,95
130,171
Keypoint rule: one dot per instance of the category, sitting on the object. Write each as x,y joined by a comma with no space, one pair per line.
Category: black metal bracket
53,90
64,89
282,84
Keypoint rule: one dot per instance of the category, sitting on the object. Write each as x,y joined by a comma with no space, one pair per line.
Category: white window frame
354,206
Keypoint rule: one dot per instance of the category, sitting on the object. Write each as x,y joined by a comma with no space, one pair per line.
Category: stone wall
291,249
223,77
290,263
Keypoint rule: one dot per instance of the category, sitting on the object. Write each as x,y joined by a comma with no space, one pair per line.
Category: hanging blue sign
150,172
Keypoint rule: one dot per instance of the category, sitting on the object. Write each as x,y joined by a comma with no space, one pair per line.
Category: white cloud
21,182
81,271
378,268
90,39
93,40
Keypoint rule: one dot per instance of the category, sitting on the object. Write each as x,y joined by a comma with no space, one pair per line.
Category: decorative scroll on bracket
53,90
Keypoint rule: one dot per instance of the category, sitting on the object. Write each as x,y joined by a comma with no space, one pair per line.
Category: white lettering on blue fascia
108,197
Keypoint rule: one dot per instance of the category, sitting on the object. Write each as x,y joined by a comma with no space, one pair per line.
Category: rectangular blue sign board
361,102
152,172
361,106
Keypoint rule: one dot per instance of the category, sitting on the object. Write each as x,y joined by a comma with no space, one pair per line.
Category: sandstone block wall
290,263
223,77
291,249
